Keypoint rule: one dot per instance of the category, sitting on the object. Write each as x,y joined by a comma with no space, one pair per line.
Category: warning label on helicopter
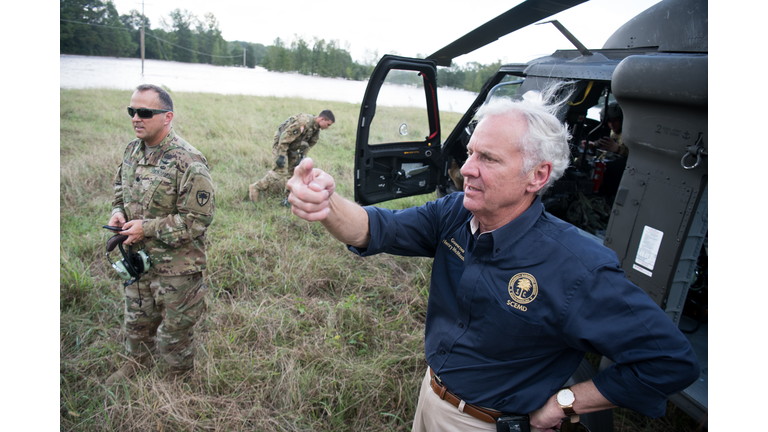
648,251
642,270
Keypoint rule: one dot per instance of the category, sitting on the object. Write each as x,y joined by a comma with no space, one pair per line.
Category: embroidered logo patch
523,288
203,197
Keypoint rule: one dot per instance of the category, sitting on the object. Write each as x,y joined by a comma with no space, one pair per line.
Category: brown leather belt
483,414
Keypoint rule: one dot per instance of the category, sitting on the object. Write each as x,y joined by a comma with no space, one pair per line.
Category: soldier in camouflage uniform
614,119
614,168
164,202
292,141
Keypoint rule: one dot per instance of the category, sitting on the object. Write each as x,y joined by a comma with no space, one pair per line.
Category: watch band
568,409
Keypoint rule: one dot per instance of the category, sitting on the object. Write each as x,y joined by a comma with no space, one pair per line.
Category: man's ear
539,176
168,118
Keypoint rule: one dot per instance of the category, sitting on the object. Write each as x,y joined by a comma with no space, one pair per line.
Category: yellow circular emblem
523,288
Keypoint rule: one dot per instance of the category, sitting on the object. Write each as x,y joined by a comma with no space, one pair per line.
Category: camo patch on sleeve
200,196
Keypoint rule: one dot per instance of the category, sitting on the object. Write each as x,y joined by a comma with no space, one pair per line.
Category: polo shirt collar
510,233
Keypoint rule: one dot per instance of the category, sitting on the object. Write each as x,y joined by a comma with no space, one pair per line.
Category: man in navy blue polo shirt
517,297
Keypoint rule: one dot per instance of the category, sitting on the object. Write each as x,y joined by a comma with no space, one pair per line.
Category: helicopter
654,215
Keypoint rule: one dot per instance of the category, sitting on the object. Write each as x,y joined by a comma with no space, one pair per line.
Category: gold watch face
565,397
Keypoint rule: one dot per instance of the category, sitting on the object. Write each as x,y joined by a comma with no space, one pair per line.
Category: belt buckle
437,379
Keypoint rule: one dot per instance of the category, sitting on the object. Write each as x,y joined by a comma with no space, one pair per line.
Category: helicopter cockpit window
393,122
593,128
594,112
507,88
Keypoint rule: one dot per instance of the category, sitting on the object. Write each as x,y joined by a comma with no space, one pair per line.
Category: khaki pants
434,414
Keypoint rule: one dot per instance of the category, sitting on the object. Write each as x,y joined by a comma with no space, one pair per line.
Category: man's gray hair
165,99
546,138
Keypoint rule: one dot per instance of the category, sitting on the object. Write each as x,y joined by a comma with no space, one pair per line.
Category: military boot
129,369
253,193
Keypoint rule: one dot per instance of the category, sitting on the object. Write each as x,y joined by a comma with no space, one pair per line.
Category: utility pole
143,19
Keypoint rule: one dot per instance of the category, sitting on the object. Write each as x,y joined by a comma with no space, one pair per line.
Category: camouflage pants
279,174
165,308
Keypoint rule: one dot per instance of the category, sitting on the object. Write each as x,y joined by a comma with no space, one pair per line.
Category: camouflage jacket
296,130
172,192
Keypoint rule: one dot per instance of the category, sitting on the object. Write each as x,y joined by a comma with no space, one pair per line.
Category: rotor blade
514,19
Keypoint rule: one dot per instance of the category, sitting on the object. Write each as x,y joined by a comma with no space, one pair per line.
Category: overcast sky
403,27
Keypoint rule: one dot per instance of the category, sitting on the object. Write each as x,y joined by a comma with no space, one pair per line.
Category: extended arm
313,199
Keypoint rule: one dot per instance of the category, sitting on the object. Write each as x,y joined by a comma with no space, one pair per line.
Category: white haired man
517,297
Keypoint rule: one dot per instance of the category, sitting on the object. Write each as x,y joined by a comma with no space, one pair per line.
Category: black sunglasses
145,113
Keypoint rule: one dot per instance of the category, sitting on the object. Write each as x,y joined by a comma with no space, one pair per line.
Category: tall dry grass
300,334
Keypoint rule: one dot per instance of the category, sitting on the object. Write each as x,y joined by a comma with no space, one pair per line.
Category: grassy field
300,334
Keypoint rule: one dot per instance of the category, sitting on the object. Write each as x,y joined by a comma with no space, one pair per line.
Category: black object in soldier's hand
112,228
280,162
116,240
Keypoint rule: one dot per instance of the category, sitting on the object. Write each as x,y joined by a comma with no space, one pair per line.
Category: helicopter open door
397,150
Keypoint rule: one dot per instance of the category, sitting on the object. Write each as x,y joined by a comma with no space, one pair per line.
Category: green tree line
321,58
469,77
94,27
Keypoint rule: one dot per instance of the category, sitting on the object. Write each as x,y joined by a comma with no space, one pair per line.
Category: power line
98,25
153,35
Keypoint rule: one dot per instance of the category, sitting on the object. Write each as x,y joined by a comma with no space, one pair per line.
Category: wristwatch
565,398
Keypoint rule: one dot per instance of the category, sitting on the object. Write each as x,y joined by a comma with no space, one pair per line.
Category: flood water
78,72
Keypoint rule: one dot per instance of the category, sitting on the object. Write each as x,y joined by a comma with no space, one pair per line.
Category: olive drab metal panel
664,99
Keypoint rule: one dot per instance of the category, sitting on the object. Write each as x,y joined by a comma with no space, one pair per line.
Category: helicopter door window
393,122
